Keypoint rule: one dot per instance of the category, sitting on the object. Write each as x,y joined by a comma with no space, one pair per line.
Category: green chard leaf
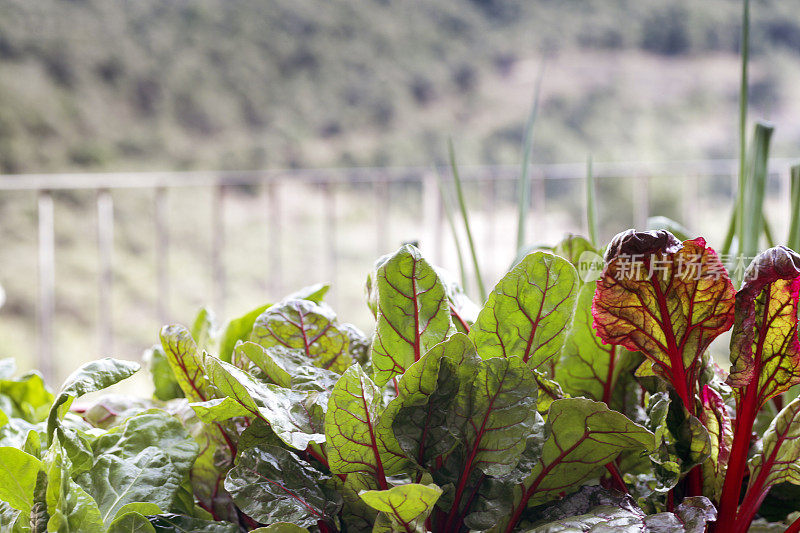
572,247
287,367
237,330
356,440
91,377
588,367
426,392
131,522
413,313
681,439
308,326
271,484
313,293
593,508
143,460
29,397
296,417
584,436
529,311
494,414
19,473
70,508
165,384
174,523
666,299
204,329
402,508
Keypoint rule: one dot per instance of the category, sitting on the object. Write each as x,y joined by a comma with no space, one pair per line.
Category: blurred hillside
238,84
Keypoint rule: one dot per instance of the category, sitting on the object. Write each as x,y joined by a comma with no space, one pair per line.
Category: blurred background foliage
241,84
123,85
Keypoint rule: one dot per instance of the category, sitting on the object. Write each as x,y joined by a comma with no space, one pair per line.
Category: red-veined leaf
665,299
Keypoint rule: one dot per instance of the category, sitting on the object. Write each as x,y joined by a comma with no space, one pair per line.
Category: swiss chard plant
563,403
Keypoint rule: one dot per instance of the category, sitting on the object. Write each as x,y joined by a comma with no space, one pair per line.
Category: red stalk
617,477
794,528
729,501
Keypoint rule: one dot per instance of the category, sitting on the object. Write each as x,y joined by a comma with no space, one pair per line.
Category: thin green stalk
794,219
591,206
524,187
751,222
726,245
743,98
465,216
448,211
768,232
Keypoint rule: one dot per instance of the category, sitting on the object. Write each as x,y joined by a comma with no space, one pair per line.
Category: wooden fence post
105,251
47,285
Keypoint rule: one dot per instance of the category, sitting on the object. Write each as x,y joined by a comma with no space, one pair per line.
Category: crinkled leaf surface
405,507
528,312
413,313
765,350
584,436
354,438
308,326
173,523
426,395
70,508
666,299
296,417
494,414
681,439
271,484
595,509
143,460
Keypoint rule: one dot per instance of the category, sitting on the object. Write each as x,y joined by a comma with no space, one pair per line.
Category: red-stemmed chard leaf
402,508
354,434
665,299
189,366
765,355
528,312
777,462
419,413
584,436
271,484
413,313
308,326
493,416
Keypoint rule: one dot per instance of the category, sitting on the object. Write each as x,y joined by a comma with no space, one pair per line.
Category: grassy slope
279,83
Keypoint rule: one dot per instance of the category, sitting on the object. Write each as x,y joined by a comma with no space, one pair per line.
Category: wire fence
326,224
